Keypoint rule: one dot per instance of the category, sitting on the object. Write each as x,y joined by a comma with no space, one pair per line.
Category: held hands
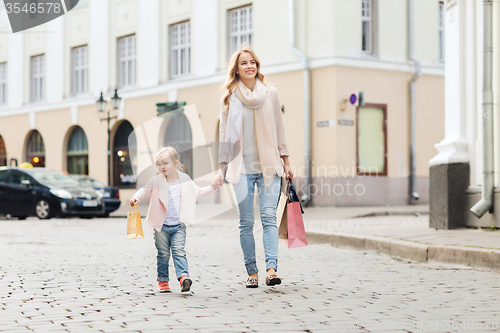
218,180
133,202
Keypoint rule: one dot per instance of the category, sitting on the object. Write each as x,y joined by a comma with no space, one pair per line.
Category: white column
204,44
453,149
99,61
15,70
54,60
148,43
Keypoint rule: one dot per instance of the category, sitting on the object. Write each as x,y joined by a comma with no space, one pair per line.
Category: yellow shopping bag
134,225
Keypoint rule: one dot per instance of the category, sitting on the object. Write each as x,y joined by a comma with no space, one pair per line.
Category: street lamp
101,107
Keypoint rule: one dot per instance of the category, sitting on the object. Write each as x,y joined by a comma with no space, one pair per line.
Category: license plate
90,203
106,195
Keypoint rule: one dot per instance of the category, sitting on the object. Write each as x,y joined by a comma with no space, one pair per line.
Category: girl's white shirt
174,203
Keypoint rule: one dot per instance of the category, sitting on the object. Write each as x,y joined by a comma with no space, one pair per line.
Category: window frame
179,47
83,68
127,60
35,95
384,127
3,83
239,34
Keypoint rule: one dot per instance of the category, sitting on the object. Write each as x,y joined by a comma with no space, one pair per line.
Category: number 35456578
33,8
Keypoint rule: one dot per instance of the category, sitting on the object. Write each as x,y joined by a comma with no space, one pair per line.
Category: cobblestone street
71,275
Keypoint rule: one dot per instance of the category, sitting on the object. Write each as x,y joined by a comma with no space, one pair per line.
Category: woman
253,146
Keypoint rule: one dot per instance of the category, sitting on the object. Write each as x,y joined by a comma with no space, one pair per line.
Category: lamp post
101,107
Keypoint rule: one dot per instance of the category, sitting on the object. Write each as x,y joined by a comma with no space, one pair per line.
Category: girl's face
247,67
167,166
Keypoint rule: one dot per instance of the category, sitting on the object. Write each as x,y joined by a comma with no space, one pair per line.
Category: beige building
158,51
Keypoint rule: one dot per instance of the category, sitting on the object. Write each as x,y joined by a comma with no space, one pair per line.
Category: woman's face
166,165
247,67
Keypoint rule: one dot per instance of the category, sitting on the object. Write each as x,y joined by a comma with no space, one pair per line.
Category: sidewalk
400,231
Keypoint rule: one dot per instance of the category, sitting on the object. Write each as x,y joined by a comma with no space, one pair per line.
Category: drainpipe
486,202
418,73
307,104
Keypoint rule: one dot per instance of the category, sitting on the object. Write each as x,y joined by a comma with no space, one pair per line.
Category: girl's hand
133,202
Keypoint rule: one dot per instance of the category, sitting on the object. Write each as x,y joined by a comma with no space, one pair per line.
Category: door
20,197
3,191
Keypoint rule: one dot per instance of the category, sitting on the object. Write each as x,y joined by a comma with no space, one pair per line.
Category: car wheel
42,209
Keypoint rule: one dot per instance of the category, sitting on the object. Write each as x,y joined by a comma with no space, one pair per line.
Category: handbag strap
133,209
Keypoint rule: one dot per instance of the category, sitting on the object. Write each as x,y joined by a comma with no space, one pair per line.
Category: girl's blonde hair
168,151
233,78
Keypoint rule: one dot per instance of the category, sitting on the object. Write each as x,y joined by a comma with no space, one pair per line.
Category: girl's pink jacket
156,187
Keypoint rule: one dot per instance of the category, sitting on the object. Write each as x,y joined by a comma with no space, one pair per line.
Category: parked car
110,194
45,193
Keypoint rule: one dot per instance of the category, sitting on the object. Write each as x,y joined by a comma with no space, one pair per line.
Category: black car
45,193
110,194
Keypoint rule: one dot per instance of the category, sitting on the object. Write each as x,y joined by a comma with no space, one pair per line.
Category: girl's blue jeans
171,239
244,191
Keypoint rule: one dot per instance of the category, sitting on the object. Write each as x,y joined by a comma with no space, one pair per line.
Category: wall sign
326,123
346,122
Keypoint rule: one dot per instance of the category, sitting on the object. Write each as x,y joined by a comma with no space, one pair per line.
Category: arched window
123,175
178,135
35,150
3,153
78,153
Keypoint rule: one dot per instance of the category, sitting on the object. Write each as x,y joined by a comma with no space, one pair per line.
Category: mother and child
254,150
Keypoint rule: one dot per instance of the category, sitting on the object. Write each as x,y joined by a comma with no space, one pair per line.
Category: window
3,83
37,78
3,153
78,153
180,49
3,175
35,150
441,30
17,177
126,61
79,70
367,25
178,134
372,140
240,28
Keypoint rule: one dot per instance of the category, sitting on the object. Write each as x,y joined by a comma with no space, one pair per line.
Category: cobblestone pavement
71,275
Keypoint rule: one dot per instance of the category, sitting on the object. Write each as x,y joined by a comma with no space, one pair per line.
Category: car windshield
51,177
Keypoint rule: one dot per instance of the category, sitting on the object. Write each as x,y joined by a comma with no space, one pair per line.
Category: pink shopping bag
296,230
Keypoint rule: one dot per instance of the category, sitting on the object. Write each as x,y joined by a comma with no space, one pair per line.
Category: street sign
163,108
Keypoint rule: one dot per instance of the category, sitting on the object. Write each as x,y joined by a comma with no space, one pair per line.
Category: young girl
173,200
251,120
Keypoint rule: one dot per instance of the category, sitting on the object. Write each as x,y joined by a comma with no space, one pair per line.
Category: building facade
156,51
458,169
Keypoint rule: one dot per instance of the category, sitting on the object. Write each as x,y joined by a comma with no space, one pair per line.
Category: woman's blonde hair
233,78
168,151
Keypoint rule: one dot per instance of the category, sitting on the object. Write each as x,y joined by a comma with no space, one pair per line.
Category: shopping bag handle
133,208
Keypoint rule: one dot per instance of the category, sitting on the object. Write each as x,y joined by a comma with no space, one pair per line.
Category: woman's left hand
288,172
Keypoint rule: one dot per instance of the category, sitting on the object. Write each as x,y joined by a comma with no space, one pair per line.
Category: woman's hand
287,168
288,172
218,180
133,202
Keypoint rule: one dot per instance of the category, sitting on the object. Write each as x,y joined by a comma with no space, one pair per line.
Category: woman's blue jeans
171,238
244,191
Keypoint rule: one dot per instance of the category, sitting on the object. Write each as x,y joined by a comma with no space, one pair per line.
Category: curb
469,256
